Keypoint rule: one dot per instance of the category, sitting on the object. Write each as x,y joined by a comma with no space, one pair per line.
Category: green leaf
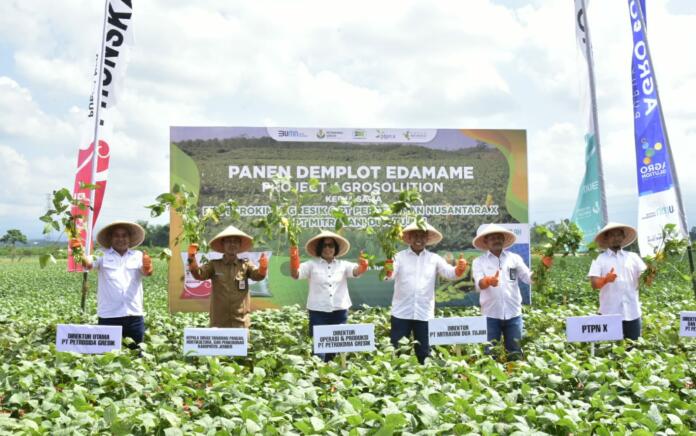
44,259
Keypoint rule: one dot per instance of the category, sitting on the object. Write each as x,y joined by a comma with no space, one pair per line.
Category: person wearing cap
328,300
119,281
230,300
414,271
616,274
496,274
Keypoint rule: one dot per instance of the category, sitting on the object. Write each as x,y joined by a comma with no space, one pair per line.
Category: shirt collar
409,250
230,259
502,254
615,253
113,252
322,260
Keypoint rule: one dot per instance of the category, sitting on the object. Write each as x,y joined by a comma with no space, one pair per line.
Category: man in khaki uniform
230,301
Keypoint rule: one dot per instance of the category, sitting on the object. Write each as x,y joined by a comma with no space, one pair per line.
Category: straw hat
217,245
483,231
630,235
137,234
433,236
343,244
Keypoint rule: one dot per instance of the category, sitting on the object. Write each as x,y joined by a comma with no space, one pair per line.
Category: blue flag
659,200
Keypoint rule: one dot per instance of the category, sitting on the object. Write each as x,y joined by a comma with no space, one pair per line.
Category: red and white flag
117,37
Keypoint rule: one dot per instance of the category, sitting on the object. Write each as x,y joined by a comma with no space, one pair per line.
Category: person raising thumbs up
616,274
496,274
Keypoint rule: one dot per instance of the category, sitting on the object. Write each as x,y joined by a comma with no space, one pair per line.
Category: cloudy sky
506,64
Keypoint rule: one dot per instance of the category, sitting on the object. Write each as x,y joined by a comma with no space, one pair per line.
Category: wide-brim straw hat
343,244
483,231
433,236
137,234
217,245
630,235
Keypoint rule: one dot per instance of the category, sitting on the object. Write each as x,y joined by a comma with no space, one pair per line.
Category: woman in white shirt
328,300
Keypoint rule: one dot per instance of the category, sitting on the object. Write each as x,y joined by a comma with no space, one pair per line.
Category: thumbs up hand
610,277
147,264
461,266
488,281
363,264
263,264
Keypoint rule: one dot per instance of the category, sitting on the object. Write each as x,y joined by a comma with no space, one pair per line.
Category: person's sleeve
523,271
444,269
305,270
595,269
477,272
203,272
97,263
350,267
640,265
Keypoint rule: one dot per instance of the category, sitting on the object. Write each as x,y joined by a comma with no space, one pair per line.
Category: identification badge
513,274
242,285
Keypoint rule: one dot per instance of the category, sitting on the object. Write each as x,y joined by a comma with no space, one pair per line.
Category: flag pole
677,189
95,152
593,104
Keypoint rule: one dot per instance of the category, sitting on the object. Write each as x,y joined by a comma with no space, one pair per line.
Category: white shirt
621,296
119,284
503,301
328,284
414,283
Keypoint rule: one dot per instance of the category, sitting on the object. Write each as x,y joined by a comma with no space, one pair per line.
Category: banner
466,178
659,199
117,35
590,213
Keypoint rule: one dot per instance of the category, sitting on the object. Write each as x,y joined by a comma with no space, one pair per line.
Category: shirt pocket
133,263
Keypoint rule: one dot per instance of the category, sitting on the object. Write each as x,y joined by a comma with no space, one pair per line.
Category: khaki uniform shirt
230,302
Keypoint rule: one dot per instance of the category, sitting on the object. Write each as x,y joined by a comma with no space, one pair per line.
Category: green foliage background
559,388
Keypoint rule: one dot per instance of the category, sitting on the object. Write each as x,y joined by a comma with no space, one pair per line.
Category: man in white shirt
616,274
414,273
328,300
496,274
119,283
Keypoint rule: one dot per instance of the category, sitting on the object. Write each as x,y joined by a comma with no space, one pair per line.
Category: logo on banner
291,134
321,134
381,134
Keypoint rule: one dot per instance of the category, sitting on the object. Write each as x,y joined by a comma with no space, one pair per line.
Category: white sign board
215,341
462,330
687,324
88,339
343,338
594,328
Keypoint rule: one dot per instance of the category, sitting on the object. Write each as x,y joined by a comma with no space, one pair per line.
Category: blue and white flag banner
658,191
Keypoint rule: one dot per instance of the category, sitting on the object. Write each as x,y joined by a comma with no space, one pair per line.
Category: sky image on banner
466,178
658,202
590,213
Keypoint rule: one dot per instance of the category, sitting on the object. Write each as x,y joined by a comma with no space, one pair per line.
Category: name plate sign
88,339
461,330
594,328
216,341
343,338
687,324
